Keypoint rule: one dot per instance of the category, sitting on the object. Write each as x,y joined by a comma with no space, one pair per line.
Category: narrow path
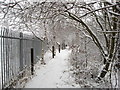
51,75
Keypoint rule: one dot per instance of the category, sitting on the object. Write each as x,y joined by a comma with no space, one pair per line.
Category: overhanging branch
97,10
94,37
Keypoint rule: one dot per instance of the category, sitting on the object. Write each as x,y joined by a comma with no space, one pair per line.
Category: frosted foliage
86,64
83,25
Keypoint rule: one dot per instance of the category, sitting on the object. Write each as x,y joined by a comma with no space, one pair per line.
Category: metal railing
15,55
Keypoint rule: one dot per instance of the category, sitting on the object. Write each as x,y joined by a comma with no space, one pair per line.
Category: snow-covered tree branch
47,18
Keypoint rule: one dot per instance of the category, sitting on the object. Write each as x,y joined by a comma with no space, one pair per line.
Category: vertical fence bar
7,57
32,61
9,62
4,60
21,51
1,59
118,62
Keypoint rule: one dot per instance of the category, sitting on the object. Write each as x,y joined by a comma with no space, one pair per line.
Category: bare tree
104,14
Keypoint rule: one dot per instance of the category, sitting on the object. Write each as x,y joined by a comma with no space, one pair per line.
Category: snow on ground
54,74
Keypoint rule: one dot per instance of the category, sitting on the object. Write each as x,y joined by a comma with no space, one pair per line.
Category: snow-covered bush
86,65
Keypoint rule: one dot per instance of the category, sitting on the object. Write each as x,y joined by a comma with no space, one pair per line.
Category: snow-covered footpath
54,74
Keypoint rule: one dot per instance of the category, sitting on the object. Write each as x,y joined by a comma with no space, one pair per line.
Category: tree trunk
111,49
104,71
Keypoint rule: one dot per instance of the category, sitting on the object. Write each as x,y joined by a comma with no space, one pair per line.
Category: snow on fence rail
15,55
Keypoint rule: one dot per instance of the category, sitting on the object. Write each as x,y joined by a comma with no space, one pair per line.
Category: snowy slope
54,74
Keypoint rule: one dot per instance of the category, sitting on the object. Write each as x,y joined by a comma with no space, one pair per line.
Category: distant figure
63,46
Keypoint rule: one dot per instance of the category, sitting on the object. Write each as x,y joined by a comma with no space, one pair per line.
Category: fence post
21,51
59,48
53,51
32,61
42,61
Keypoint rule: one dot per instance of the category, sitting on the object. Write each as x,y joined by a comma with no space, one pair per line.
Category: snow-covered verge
54,74
86,67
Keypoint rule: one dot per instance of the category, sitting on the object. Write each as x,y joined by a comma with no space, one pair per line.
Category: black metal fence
15,55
